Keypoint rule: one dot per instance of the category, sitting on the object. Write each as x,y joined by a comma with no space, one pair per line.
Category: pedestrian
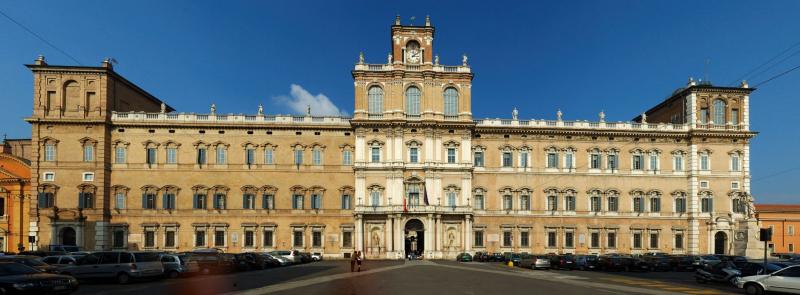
353,261
358,260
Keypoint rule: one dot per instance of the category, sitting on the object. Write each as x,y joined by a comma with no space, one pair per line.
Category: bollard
510,263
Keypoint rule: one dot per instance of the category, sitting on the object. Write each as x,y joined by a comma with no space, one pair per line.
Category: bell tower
412,44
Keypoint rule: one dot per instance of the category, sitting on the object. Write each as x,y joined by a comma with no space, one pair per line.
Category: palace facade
116,168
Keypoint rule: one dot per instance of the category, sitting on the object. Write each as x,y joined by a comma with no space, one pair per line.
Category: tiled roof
777,207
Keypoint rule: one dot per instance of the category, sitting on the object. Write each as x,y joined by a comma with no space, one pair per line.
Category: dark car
211,262
17,278
515,258
566,261
305,257
497,257
253,260
464,257
480,257
658,262
613,263
587,262
754,269
32,261
639,264
270,260
739,261
683,263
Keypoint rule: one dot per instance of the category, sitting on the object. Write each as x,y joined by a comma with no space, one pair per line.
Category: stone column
359,233
693,201
439,234
429,236
468,235
387,237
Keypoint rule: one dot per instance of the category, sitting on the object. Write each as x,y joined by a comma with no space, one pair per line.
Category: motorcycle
727,274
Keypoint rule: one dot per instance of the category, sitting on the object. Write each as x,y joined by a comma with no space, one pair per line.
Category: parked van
120,265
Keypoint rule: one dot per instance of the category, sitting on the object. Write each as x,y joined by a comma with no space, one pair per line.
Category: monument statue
213,109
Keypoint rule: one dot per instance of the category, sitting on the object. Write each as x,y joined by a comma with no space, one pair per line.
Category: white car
785,280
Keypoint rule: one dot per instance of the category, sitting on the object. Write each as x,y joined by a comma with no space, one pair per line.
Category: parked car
754,269
250,260
535,261
120,265
177,265
281,261
305,257
639,264
785,280
293,256
64,249
513,258
613,263
566,261
707,261
587,262
464,257
657,262
497,257
316,256
32,261
272,261
739,261
17,278
683,262
61,260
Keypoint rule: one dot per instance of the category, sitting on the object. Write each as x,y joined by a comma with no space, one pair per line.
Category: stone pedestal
746,241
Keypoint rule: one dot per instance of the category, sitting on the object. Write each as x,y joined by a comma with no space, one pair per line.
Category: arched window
450,102
375,101
719,112
412,101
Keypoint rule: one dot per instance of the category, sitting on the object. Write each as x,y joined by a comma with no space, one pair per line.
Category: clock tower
412,44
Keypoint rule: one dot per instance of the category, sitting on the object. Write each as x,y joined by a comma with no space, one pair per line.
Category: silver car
176,265
120,265
61,260
535,262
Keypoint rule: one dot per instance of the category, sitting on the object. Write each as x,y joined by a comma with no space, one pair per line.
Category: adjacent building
114,167
783,219
15,199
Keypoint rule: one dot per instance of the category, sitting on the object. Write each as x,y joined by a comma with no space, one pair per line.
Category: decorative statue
308,110
436,60
163,107
389,59
464,60
559,114
260,109
360,57
644,118
213,109
514,114
376,240
602,116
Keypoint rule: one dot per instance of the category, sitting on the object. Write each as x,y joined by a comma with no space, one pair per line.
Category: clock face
413,54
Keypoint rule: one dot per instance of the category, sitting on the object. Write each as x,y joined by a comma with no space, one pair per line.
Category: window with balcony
412,101
613,202
451,199
451,155
375,101
655,202
594,161
413,155
375,155
375,198
450,102
719,112
219,201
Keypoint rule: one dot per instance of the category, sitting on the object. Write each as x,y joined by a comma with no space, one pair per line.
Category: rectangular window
594,240
478,241
267,239
316,201
611,240
249,238
637,240
316,239
149,201
267,201
119,202
478,200
347,239
118,239
612,162
86,201
679,241
316,157
250,157
791,248
704,116
706,205
49,152
677,163
88,153
507,203
413,155
735,117
298,157
248,201
551,239
219,201
524,239
552,160
297,238
168,201
680,205
200,201
451,199
525,203
479,159
169,239
346,202
735,163
376,155
347,157
655,204
654,162
376,198
149,239
569,161
595,161
172,155
88,176
151,156
552,203
507,159
569,239
222,156
451,156
790,230
219,238
119,155
638,204
704,162
613,204
570,203
200,238
653,240
297,202
596,204
637,162
201,156
523,159
506,239
268,156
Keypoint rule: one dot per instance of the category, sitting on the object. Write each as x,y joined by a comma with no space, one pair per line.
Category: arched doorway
720,242
68,237
415,237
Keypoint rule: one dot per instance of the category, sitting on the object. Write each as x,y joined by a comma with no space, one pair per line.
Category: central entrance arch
415,237
720,240
68,237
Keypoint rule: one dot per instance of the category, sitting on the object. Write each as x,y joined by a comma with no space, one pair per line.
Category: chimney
40,61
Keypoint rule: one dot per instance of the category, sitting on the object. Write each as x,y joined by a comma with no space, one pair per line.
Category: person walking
359,259
353,261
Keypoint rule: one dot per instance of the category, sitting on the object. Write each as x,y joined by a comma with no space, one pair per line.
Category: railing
407,67
583,124
451,118
228,118
367,209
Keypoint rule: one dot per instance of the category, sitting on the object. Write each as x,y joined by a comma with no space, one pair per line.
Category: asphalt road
417,277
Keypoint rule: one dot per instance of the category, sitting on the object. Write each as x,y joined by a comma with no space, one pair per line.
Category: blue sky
582,57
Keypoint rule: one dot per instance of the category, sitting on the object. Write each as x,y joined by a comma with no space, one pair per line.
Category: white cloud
300,99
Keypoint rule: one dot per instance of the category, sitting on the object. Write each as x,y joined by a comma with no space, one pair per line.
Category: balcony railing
226,118
580,124
413,68
368,209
